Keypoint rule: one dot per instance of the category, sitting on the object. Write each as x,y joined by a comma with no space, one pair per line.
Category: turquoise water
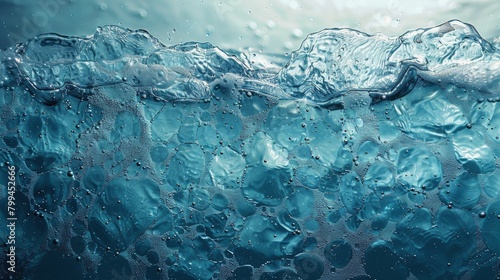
357,156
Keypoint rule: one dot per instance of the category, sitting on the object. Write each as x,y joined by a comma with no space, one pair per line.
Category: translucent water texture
362,157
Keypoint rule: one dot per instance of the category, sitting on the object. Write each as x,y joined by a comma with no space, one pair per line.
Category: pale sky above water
271,26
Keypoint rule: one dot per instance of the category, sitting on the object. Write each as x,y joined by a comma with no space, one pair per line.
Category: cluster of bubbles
141,161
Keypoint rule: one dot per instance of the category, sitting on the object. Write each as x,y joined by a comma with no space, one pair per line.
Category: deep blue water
356,157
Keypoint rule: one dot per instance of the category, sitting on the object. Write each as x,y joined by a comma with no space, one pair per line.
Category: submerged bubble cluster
363,157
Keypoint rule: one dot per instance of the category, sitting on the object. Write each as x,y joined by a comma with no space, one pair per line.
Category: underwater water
355,157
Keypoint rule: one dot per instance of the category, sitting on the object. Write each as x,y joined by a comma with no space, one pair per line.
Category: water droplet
297,33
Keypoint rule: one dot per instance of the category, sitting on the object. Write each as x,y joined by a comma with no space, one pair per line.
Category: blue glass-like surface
358,157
